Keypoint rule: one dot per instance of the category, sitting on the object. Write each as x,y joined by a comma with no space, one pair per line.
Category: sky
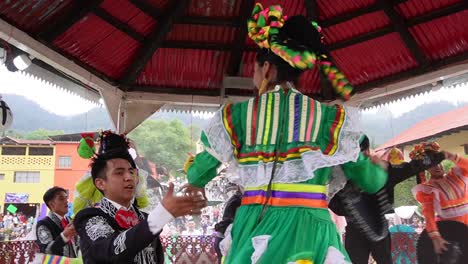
48,96
454,94
62,102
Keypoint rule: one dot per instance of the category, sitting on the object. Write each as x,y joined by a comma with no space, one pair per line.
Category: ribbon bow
126,219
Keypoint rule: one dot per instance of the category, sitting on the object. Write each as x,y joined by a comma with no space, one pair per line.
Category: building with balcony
26,170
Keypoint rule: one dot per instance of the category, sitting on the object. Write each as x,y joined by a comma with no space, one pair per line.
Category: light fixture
22,62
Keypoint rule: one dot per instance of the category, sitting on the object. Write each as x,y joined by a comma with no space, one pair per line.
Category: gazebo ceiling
190,47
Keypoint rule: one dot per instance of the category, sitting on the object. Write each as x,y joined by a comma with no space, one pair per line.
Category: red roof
188,46
9,140
435,126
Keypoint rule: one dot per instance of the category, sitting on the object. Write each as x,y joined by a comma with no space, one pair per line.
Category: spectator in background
191,230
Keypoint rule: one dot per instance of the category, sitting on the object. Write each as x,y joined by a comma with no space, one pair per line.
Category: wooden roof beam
357,13
400,26
176,9
239,40
311,9
125,28
82,8
147,8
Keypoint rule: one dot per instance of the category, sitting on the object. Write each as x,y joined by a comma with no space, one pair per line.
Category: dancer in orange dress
444,200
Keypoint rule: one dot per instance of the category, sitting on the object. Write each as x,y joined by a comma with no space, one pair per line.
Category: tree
12,134
43,134
403,195
162,142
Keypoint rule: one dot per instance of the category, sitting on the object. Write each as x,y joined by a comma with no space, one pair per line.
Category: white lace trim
337,182
225,244
290,171
334,256
220,143
260,244
97,227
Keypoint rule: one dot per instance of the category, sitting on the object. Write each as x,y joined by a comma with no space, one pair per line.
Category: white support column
112,100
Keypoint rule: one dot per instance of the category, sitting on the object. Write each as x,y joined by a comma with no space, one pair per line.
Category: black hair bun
301,31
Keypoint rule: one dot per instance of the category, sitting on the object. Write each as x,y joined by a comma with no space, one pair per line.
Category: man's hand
440,244
190,204
189,189
69,231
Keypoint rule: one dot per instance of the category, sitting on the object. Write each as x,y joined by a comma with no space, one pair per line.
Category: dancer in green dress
281,147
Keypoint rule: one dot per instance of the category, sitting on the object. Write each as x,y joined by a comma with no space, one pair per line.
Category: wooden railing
197,249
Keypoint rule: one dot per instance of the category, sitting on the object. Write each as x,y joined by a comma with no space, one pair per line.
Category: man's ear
100,183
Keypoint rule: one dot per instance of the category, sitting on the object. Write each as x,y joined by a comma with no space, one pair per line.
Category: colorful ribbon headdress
264,29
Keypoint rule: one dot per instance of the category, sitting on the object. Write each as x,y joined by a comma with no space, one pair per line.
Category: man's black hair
364,144
50,194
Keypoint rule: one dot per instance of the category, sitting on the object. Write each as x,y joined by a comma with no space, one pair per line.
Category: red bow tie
126,219
64,222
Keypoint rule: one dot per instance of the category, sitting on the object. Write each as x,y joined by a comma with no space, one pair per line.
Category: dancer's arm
406,170
204,167
368,176
460,162
427,203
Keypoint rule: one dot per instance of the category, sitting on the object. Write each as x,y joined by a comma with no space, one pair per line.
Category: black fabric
228,218
113,146
456,234
396,174
56,244
138,241
5,109
229,212
359,247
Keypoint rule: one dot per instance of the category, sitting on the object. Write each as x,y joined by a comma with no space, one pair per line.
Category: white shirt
157,218
65,239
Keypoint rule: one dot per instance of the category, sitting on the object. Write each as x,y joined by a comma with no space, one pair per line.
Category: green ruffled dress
311,138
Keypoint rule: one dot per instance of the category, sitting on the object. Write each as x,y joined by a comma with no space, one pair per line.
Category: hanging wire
191,124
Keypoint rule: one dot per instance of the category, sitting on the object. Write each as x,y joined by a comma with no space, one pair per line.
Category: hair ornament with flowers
419,153
264,29
419,150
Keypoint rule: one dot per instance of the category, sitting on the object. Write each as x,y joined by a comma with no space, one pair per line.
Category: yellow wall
9,164
452,143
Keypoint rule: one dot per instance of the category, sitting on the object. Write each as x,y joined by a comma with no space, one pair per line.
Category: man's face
59,204
120,182
191,225
437,171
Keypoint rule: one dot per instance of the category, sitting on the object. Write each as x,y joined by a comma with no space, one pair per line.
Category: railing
197,249
17,252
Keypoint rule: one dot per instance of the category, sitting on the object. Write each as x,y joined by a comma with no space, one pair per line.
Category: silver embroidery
98,227
119,243
107,207
44,235
145,256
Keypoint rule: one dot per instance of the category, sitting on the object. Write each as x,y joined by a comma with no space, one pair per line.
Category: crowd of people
15,226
